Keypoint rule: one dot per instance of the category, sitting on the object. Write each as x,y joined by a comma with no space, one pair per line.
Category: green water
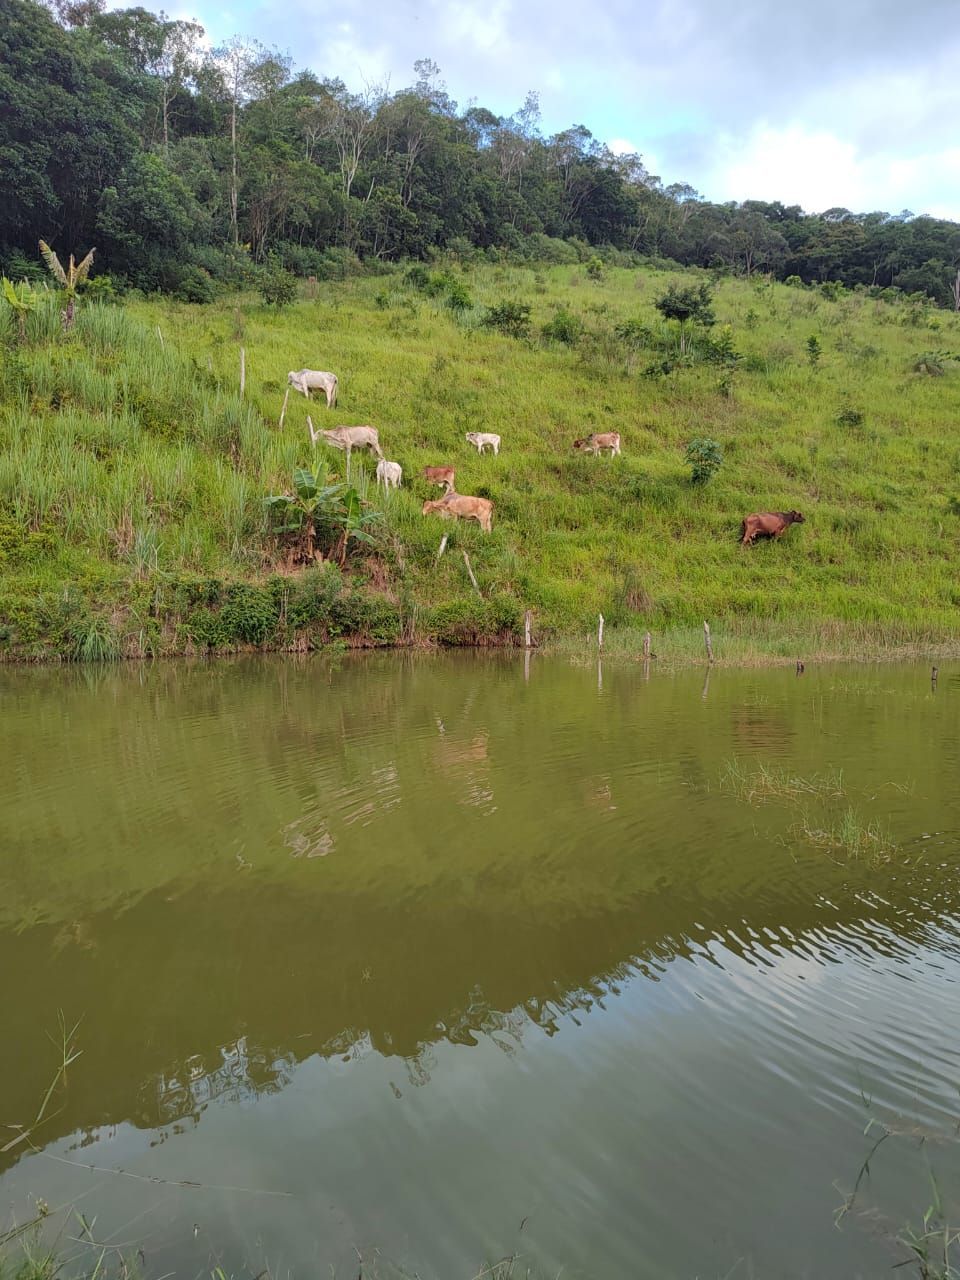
400,965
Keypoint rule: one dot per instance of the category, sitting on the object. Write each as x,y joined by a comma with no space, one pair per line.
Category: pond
403,964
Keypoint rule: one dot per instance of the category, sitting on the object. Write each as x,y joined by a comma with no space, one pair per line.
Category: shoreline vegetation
140,484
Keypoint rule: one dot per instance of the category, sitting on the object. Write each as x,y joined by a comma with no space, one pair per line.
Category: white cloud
819,170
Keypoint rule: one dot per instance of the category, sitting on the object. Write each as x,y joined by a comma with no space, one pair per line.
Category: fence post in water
283,410
934,672
443,546
706,641
646,647
466,561
526,629
243,369
600,635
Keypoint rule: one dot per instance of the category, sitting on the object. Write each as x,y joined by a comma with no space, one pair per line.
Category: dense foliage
187,168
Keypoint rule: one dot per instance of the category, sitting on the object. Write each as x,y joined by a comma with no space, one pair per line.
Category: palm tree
22,301
69,279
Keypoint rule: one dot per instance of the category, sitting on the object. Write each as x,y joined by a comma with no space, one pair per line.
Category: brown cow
443,476
458,506
597,441
769,524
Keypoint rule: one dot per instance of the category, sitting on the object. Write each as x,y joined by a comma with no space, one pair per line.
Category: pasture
131,470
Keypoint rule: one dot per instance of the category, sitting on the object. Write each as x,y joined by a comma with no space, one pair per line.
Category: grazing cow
307,380
768,524
599,440
456,506
445,477
480,438
389,474
348,438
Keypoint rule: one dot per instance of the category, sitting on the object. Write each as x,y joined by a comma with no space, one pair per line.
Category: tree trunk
233,181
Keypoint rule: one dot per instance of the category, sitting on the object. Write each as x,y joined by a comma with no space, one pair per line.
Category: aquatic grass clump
849,836
764,783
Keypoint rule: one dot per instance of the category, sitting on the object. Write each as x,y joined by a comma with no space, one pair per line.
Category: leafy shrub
794,282
511,318
705,457
832,289
311,595
814,350
278,287
458,296
721,348
564,327
932,363
418,277
634,334
847,416
194,285
595,269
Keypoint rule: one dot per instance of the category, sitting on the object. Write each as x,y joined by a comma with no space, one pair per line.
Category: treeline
186,166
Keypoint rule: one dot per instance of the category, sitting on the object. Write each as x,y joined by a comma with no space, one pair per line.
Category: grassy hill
132,474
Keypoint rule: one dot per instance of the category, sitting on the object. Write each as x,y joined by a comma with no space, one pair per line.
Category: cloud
708,88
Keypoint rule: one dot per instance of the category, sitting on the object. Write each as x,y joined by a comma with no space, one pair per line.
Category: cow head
580,444
796,517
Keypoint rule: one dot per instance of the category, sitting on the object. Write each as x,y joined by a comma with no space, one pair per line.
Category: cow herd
453,505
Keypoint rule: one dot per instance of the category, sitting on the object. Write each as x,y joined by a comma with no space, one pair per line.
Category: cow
480,438
768,524
307,380
443,476
456,506
347,438
389,474
599,440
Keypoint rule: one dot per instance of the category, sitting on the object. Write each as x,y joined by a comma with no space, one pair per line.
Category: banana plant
299,512
22,301
69,278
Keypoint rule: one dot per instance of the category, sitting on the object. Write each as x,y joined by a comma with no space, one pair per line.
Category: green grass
131,470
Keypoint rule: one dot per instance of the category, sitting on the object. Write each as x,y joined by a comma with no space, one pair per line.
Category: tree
687,305
237,62
69,278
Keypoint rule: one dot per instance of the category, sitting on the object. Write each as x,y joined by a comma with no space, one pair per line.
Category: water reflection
242,870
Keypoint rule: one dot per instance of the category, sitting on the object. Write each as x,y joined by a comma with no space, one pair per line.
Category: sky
821,103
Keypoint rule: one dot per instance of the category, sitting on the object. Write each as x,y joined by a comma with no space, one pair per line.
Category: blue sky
822,103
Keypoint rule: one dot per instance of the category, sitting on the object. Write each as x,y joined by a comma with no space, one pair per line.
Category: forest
194,169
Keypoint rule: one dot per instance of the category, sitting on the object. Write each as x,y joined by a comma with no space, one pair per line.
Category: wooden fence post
646,647
283,411
160,335
600,635
466,561
443,546
706,641
526,629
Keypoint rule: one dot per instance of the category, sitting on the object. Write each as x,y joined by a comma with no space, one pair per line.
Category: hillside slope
132,474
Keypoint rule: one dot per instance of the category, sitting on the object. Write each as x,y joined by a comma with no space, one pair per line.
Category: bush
705,458
847,416
511,318
278,287
458,296
564,327
418,277
595,269
794,282
194,285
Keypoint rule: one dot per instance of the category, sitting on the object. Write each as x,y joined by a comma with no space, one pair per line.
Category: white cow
480,438
389,474
347,438
307,380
